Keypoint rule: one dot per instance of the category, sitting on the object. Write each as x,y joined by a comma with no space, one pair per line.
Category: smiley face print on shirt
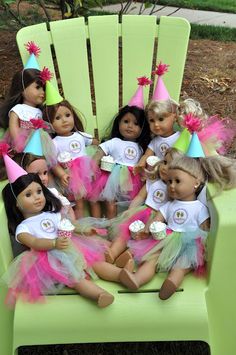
159,196
47,225
75,146
130,153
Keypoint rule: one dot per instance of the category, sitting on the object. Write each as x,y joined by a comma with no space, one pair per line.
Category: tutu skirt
83,171
180,250
119,185
19,144
36,273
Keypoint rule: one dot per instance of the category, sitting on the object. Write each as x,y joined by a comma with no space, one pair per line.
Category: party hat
34,51
160,92
195,148
182,143
12,168
52,95
34,145
138,99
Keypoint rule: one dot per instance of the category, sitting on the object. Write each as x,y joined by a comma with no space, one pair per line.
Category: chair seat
73,319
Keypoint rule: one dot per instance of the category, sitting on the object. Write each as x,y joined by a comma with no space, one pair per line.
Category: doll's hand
95,141
138,169
62,243
65,180
143,234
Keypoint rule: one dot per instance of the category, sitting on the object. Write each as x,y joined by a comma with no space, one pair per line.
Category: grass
215,33
211,5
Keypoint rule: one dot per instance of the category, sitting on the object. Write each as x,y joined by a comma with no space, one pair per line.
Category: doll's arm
139,198
142,162
205,225
14,126
95,141
61,174
98,156
42,244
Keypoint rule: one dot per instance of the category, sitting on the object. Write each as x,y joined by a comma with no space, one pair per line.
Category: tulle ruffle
18,144
121,184
36,273
180,250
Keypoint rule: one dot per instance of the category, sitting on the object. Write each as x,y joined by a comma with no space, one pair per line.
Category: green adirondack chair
204,308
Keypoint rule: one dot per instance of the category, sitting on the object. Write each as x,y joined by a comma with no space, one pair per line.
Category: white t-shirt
184,216
74,144
156,194
159,145
43,225
63,199
26,112
123,152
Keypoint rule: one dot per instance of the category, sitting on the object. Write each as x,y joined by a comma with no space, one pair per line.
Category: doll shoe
129,265
105,299
128,279
123,258
167,289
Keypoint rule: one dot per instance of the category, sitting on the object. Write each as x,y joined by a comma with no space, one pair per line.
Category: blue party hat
195,148
34,51
34,145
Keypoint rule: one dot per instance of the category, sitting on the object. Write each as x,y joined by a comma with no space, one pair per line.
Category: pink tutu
121,184
82,170
19,144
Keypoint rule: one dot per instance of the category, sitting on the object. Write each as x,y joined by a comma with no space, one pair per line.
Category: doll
187,219
75,168
149,199
129,137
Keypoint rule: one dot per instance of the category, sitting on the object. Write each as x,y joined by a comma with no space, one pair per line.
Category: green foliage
215,33
211,5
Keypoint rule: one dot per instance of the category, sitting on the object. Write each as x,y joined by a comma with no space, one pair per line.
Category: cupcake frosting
156,227
108,159
136,226
66,225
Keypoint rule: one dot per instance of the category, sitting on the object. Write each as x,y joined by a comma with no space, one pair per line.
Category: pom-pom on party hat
138,99
195,148
182,143
12,168
52,95
160,92
34,144
34,51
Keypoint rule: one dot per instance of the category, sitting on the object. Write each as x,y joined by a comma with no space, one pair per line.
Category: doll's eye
39,191
170,182
45,172
161,119
57,118
68,114
151,120
177,181
28,194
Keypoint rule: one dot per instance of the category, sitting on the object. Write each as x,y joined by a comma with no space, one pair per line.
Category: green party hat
182,142
52,95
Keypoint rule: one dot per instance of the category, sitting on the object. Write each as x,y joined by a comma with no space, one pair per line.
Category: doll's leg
116,248
95,208
144,274
79,208
90,290
111,272
111,209
172,282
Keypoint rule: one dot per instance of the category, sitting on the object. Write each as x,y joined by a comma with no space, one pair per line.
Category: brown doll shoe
122,259
105,299
129,265
167,289
109,257
128,279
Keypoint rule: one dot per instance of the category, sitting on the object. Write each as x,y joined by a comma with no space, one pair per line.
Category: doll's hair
216,169
144,137
20,81
174,153
12,190
159,108
49,113
27,158
191,106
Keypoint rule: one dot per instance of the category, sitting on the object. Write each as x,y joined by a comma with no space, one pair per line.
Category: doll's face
181,185
129,128
39,167
63,121
33,95
164,166
161,125
31,200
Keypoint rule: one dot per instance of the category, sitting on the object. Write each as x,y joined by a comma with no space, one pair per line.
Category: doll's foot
167,289
123,258
129,265
105,299
128,279
109,256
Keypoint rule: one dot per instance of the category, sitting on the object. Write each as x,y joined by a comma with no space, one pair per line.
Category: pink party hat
13,169
34,51
160,92
138,99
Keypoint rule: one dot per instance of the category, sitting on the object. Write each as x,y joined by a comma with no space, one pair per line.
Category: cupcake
158,230
107,163
64,159
136,227
65,228
151,162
